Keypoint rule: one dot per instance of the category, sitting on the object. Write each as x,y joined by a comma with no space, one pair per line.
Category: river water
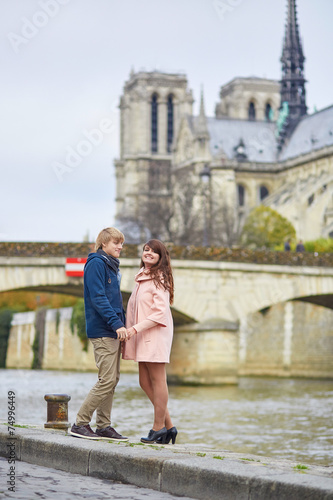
282,418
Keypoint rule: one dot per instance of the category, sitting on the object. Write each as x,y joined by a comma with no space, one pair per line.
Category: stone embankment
180,470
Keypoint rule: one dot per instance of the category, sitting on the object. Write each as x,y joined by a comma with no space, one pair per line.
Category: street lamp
205,175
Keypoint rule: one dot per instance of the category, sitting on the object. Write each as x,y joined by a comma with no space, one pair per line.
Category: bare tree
172,217
187,225
173,209
152,210
156,216
226,224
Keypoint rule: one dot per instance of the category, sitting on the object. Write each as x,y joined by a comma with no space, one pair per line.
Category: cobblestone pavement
36,482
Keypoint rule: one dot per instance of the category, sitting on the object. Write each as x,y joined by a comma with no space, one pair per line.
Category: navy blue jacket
102,296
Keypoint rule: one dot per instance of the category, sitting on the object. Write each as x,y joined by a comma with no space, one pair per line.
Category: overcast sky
64,64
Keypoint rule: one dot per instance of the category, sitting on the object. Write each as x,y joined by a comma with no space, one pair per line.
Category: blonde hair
107,234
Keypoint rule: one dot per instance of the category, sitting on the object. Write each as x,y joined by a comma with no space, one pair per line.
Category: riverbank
177,469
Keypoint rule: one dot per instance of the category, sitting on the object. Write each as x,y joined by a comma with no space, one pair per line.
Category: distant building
261,147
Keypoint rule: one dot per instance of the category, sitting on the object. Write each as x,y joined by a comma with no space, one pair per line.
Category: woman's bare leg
158,380
152,379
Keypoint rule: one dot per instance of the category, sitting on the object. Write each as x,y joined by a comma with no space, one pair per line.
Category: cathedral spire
293,81
202,104
202,130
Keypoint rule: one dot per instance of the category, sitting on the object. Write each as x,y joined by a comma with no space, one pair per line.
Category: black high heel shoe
155,436
171,434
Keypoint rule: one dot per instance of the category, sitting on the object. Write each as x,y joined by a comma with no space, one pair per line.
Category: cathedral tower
151,109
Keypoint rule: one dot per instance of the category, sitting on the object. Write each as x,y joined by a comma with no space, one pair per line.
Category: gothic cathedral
194,179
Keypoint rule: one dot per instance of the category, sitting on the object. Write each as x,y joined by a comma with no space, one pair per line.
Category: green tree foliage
6,316
38,343
319,245
78,320
266,228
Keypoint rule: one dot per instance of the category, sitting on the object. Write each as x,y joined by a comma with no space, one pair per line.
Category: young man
105,320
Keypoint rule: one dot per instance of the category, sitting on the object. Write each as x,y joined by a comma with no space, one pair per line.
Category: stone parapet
53,249
223,254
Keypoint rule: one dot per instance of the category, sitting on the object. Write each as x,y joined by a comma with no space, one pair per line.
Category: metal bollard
57,411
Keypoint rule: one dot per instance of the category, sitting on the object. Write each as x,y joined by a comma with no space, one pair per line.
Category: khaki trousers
100,397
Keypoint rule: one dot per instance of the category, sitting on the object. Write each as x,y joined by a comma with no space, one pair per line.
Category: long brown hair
161,272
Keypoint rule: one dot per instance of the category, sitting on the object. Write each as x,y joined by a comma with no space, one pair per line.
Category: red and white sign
74,266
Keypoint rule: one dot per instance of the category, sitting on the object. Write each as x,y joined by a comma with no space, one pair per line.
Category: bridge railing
49,249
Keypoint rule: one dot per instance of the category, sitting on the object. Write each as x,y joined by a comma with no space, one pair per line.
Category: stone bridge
204,290
232,318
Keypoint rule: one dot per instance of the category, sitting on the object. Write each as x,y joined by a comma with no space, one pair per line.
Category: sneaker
110,434
83,431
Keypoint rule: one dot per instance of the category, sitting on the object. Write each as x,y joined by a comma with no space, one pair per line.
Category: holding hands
124,334
121,333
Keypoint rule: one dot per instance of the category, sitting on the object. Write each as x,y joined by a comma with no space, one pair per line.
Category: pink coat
147,302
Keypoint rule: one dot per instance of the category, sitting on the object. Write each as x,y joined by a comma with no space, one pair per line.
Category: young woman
150,331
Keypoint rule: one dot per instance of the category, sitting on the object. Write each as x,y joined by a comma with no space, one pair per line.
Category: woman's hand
130,332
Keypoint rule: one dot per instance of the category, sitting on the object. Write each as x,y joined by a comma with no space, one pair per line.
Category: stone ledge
178,470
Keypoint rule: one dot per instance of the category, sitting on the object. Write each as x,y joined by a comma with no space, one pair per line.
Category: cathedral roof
313,132
258,138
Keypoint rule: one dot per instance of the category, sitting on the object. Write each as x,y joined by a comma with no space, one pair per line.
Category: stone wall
21,339
200,355
63,349
205,354
291,339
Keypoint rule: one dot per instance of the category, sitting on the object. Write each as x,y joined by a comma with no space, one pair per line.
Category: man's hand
122,333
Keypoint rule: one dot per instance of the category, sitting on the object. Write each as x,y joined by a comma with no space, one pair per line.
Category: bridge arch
231,291
48,275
